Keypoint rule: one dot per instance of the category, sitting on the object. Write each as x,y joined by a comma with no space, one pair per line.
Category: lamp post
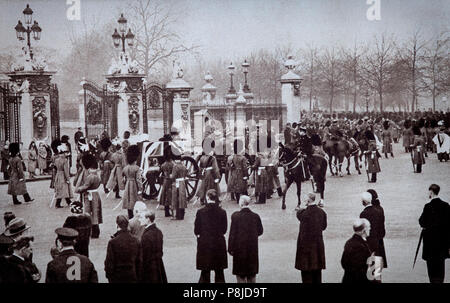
117,37
231,72
35,28
245,66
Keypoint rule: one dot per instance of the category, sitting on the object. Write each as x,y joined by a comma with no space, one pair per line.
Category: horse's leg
348,164
299,191
330,160
357,164
340,161
288,184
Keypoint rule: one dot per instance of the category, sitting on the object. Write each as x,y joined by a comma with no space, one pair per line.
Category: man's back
122,258
376,218
211,221
71,267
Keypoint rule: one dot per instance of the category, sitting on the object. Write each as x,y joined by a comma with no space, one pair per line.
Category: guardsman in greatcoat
179,194
106,164
238,171
372,155
418,149
115,181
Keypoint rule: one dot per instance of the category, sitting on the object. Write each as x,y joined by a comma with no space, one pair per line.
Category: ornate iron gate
99,110
155,97
9,115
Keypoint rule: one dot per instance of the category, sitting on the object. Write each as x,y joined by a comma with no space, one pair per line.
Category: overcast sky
228,28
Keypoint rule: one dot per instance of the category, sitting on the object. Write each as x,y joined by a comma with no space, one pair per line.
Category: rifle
418,247
366,164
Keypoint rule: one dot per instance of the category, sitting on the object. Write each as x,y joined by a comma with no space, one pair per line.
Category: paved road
402,194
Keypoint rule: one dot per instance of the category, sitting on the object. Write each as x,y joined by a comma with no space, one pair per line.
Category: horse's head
285,154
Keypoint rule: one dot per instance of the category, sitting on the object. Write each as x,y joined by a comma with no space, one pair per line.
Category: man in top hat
82,223
69,266
310,256
442,141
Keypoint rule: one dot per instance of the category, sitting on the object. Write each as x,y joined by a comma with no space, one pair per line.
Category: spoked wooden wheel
151,185
192,177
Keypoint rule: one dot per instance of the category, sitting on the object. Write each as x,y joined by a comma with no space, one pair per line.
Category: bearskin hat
14,148
407,123
54,145
416,130
126,135
328,123
105,143
433,123
315,140
132,153
369,135
89,161
386,124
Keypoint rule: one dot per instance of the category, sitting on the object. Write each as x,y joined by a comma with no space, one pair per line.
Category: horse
354,151
295,170
337,149
363,144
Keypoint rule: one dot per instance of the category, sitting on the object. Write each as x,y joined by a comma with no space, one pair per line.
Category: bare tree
330,71
310,67
378,62
412,54
352,68
436,69
156,42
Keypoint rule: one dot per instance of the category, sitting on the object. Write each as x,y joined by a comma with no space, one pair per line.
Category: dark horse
336,150
298,169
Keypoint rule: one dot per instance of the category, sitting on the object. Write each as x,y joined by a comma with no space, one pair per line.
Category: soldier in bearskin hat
166,168
16,183
372,155
179,194
89,193
115,181
106,164
386,136
133,184
408,135
418,147
61,184
237,166
210,173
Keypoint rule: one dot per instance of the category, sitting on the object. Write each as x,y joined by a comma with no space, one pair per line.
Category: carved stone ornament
154,99
39,118
133,114
184,112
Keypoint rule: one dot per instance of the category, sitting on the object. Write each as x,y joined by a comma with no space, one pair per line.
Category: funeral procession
191,141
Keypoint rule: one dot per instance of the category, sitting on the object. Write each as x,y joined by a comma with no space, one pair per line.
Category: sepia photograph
190,142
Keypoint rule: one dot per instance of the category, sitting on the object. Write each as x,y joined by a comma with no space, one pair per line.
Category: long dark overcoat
435,221
375,215
122,261
16,185
418,148
245,229
152,269
310,248
238,170
354,260
210,227
59,269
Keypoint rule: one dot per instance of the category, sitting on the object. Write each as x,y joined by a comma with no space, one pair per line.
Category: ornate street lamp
117,37
231,72
246,65
35,28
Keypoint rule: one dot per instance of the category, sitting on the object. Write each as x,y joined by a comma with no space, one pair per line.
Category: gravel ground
402,195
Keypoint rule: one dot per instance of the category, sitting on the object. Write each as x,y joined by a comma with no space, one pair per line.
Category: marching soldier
106,164
262,185
386,136
417,149
372,155
69,266
115,181
63,189
133,185
210,175
238,171
407,136
88,189
179,195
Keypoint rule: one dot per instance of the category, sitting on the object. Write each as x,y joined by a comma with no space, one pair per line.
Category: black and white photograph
224,141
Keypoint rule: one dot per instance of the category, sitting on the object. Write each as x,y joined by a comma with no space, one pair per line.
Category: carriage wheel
151,185
192,177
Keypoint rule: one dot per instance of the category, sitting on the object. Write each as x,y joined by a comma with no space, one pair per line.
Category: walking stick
53,200
366,164
418,247
108,194
117,206
412,161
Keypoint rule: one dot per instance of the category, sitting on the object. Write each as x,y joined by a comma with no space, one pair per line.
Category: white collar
21,258
67,248
148,225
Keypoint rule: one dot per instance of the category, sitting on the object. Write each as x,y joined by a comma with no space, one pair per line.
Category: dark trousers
130,213
180,214
312,276
117,191
418,168
58,202
95,231
167,211
261,198
205,276
5,175
26,197
436,270
374,177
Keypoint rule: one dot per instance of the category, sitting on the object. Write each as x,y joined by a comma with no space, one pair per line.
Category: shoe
118,197
29,201
58,206
17,203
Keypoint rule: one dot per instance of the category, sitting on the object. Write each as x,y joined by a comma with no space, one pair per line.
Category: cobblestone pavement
402,195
